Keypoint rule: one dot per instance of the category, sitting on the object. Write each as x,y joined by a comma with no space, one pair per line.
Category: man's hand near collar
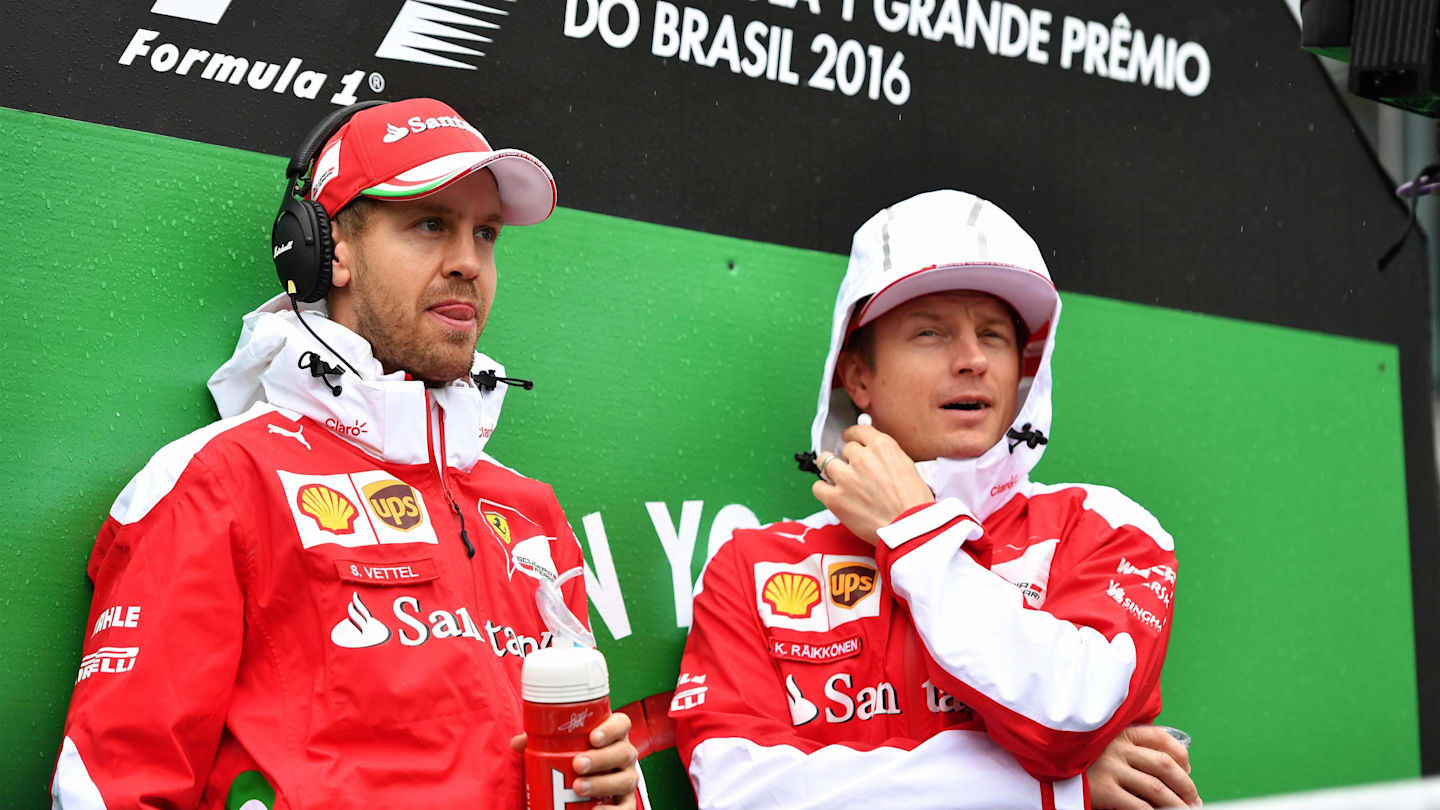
608,770
871,483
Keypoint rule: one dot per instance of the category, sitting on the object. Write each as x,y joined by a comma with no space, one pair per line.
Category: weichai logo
329,509
793,595
850,582
395,503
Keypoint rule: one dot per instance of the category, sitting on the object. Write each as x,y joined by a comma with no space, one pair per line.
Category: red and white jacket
285,609
982,656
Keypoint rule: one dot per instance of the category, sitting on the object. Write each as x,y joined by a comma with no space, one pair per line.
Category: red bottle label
556,734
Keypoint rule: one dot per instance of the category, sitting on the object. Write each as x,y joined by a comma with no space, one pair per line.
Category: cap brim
1031,295
527,189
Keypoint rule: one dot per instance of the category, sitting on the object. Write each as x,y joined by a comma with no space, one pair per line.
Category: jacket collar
386,415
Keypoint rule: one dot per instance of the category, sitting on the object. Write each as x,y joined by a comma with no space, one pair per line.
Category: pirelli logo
850,582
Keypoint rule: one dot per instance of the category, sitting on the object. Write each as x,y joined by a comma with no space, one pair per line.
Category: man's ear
342,263
855,377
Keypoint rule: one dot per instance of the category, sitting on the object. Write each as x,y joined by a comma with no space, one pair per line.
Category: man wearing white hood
948,633
324,598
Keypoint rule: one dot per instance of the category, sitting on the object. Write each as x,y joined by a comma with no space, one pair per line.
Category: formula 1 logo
414,36
206,11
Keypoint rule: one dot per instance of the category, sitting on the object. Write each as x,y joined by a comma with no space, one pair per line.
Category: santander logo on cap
406,149
417,124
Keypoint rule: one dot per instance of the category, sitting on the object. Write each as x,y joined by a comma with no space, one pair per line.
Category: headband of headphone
300,240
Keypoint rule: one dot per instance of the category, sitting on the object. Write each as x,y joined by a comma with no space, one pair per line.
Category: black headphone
300,239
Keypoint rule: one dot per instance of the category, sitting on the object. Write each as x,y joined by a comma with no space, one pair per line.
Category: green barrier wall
679,368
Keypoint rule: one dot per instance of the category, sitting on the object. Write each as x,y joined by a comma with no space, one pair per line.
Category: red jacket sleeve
1054,685
739,744
162,646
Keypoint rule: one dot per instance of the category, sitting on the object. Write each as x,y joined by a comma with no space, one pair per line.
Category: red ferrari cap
412,148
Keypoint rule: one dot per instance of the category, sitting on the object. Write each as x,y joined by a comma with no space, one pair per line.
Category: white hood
383,414
951,240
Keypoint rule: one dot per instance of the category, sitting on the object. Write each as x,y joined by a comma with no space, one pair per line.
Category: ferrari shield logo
500,525
525,544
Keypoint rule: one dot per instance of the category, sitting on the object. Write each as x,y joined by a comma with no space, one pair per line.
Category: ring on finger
827,460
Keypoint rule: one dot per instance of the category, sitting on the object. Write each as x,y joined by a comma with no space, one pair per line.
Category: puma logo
295,434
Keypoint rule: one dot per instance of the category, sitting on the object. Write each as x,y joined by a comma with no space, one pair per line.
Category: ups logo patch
850,582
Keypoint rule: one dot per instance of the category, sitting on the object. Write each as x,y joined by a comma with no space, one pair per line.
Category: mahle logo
395,503
329,509
793,595
850,582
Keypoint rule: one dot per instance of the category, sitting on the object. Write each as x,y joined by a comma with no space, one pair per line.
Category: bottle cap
564,675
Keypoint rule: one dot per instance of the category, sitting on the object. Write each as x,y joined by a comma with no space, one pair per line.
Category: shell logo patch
793,595
330,510
364,508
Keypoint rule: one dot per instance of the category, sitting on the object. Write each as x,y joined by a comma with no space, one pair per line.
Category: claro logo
346,430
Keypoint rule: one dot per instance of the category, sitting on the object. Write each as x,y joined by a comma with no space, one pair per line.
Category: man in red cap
948,633
324,598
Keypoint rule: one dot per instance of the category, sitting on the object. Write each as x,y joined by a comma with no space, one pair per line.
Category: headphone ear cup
325,251
302,248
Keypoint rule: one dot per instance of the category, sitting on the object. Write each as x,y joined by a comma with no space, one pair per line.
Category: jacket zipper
440,466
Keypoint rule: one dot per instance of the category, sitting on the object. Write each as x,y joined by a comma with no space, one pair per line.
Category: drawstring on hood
323,370
934,242
489,378
385,415
1026,436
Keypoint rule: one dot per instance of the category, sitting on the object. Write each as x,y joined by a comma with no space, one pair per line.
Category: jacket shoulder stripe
1116,509
73,789
155,481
